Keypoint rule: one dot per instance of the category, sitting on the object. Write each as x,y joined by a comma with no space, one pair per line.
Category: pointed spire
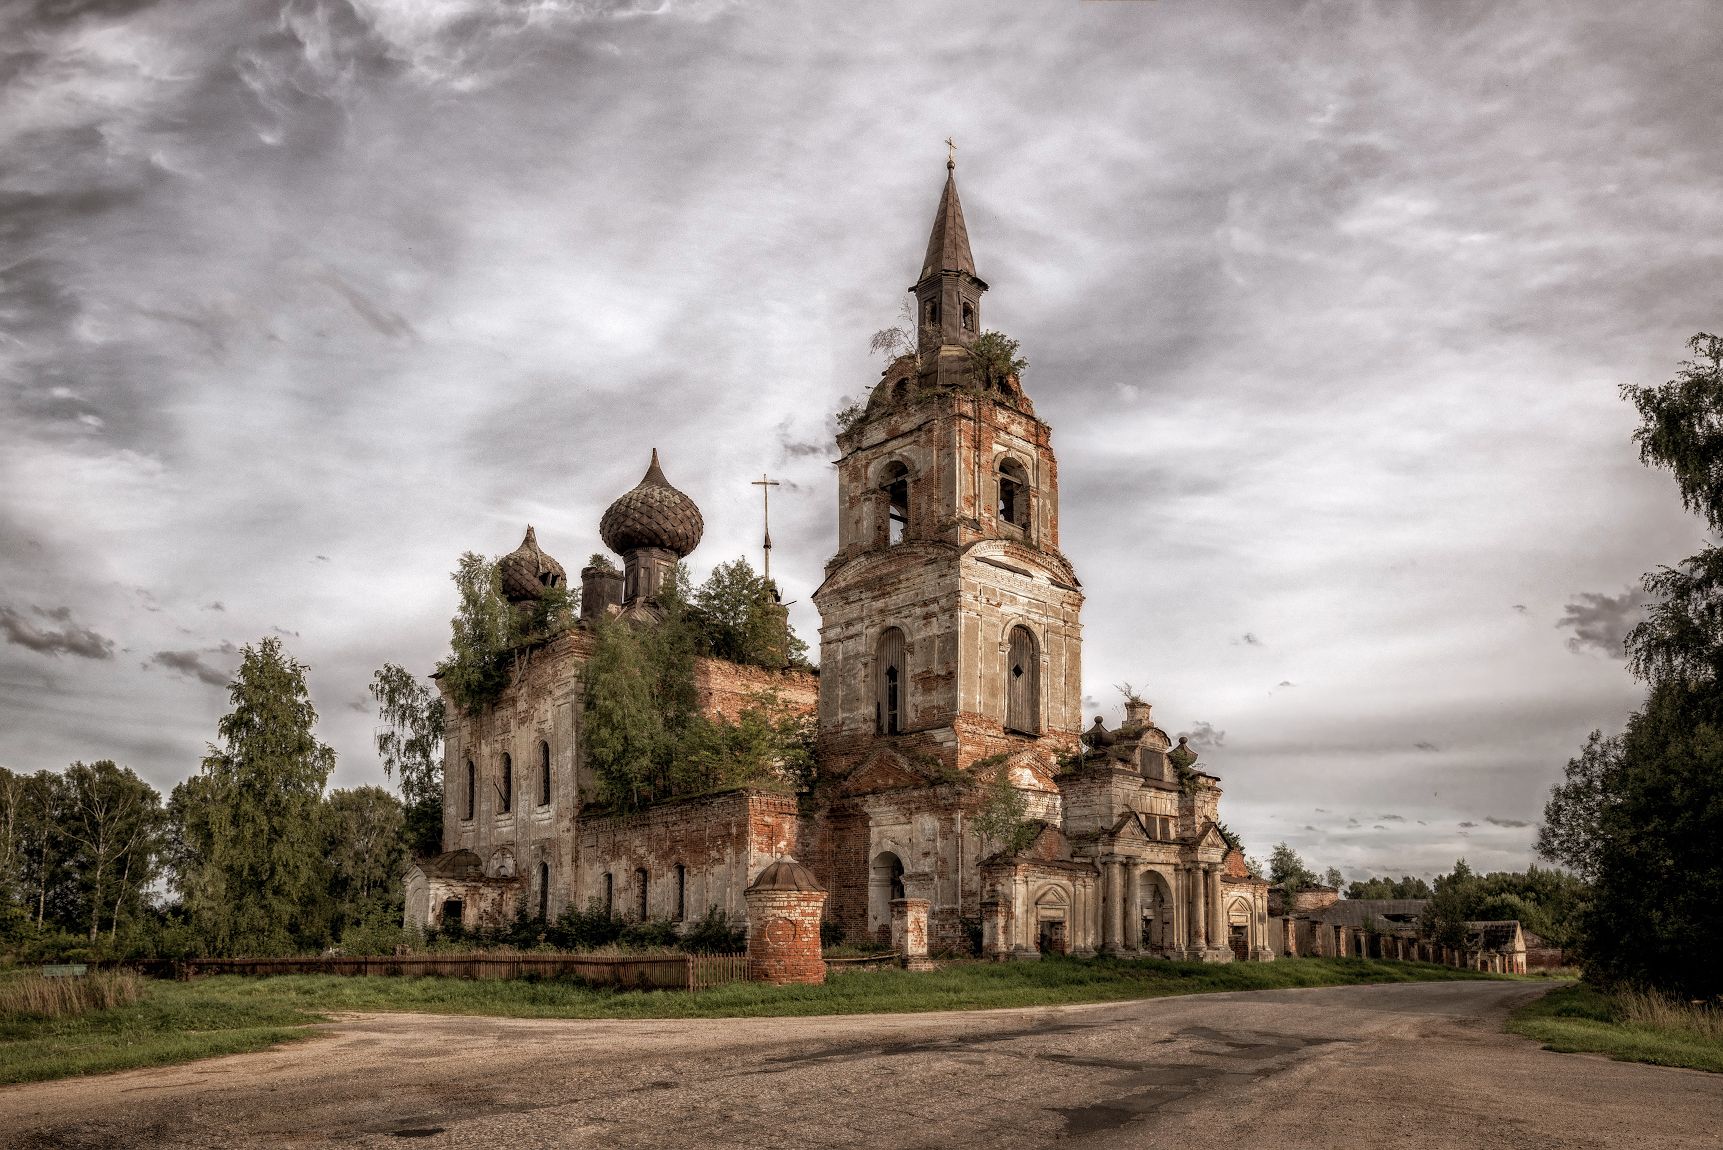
948,246
654,474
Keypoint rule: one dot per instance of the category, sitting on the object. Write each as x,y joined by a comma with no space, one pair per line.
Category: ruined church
950,658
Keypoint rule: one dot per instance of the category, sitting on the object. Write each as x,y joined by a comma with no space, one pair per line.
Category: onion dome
527,571
786,874
654,514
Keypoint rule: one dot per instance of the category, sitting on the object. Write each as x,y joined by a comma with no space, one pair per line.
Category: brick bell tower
950,627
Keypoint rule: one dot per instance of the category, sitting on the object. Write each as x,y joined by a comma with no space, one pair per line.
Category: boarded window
1013,494
507,786
544,774
896,487
472,789
1023,682
640,894
889,683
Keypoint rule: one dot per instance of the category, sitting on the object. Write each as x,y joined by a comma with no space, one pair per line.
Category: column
1110,900
1217,933
1199,907
1130,927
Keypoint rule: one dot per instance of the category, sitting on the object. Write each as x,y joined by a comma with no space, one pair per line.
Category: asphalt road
1408,1067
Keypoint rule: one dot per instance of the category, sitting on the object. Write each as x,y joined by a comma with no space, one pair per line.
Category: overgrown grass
180,1021
1629,1027
33,996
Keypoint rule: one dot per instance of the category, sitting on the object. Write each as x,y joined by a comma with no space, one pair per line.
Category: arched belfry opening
885,883
1023,682
894,482
1013,506
889,683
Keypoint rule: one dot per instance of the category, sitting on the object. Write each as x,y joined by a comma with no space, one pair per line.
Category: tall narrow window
1023,682
608,885
681,892
1013,494
968,317
544,892
544,774
507,785
890,682
472,789
640,894
897,503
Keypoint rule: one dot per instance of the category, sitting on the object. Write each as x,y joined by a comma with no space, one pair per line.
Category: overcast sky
1326,303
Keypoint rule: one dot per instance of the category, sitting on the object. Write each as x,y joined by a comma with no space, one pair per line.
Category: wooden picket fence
634,972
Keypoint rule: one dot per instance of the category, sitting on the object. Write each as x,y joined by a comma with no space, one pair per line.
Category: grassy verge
1579,1019
181,1021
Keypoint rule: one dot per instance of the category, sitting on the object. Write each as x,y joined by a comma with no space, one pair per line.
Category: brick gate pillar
909,932
785,904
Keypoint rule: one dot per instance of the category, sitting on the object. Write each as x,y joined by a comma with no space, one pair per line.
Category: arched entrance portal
885,882
1156,908
1052,910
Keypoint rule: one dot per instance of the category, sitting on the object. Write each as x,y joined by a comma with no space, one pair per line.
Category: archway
1155,906
1052,915
1239,926
885,882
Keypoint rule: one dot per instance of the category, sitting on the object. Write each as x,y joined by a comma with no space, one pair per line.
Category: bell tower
950,625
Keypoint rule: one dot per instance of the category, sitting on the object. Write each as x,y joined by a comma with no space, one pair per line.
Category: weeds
33,996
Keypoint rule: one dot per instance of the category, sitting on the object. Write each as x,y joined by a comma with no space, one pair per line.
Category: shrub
831,933
648,933
585,929
713,934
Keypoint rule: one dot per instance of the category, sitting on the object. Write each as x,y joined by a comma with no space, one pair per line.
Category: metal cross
950,153
765,485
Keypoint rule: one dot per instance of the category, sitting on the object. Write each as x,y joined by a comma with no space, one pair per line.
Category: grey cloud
215,606
192,665
1250,640
1496,822
1392,818
1468,826
381,319
1426,746
67,639
1601,622
1204,737
1520,609
1287,683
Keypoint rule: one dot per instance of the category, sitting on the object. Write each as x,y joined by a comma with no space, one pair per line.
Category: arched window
1023,682
508,784
544,892
968,316
900,390
889,683
1013,494
640,894
930,311
607,885
472,789
896,486
544,774
681,892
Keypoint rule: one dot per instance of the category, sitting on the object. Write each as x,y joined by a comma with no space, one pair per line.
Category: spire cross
950,154
765,485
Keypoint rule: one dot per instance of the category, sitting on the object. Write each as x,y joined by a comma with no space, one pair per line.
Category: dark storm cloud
1426,746
1511,823
61,635
1467,826
1600,622
198,664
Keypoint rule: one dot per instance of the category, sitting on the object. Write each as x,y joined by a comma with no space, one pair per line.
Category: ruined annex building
950,654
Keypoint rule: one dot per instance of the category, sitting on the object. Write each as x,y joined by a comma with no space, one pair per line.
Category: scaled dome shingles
653,514
786,874
527,571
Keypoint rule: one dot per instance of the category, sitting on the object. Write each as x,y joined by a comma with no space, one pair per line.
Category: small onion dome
654,514
786,874
527,571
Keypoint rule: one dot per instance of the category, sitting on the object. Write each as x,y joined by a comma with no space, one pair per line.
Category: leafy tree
365,843
740,619
251,836
483,632
1003,821
30,846
1406,886
1641,813
411,745
624,729
1286,869
994,358
111,822
1451,906
1332,877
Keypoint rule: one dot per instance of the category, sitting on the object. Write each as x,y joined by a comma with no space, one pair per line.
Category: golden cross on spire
950,154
